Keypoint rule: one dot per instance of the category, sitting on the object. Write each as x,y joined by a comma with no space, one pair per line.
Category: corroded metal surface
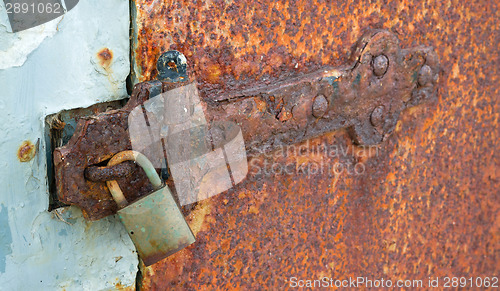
426,203
103,174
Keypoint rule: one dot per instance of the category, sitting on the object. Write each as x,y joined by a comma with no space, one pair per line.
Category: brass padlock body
156,226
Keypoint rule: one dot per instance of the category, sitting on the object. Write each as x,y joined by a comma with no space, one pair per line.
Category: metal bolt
425,75
380,65
377,117
320,105
172,66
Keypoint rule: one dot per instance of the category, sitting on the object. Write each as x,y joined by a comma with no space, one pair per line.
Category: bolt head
320,106
380,65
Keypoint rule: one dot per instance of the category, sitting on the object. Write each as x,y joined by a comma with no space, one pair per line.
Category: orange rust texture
105,57
427,203
26,151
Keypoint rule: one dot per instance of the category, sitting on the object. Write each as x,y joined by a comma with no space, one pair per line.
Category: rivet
377,117
425,75
380,65
320,105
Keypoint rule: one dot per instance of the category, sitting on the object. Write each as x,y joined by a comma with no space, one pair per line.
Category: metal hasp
365,96
96,139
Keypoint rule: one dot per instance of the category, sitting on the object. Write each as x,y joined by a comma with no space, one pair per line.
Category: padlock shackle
142,161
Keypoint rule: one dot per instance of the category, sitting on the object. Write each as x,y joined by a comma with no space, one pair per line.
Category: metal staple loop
108,173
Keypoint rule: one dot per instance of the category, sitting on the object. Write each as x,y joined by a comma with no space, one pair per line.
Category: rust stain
121,287
426,204
26,151
105,57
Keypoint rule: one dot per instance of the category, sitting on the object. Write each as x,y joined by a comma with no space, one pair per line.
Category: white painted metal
44,70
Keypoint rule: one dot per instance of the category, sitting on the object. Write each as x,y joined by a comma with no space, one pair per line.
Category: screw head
377,116
320,105
425,75
380,65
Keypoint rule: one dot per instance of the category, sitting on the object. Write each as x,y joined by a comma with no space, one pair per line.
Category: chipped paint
16,47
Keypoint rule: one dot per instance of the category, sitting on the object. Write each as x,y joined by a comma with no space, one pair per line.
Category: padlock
154,222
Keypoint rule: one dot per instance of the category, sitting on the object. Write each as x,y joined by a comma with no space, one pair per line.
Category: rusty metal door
423,204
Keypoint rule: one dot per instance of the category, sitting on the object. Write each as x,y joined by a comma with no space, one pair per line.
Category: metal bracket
366,97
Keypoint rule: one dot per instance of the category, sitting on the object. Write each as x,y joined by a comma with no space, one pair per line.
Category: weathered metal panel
425,203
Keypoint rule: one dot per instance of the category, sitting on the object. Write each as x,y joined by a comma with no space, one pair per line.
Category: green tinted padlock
154,222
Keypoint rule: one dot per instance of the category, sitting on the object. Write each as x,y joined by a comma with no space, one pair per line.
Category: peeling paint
5,238
16,47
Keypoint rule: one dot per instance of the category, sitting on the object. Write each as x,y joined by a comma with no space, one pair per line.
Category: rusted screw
425,75
320,105
380,65
377,117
